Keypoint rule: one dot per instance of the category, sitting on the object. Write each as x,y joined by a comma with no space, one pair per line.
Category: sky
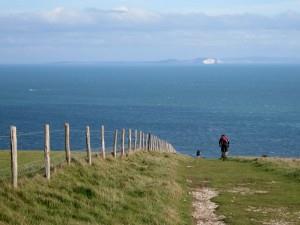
131,30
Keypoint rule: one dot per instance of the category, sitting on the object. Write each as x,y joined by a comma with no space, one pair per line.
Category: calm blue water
257,106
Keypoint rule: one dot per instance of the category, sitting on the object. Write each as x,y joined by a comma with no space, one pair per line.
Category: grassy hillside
152,188
141,189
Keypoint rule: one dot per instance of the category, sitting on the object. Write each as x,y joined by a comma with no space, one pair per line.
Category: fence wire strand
58,157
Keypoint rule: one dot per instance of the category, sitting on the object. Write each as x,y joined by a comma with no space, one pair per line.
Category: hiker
224,145
198,154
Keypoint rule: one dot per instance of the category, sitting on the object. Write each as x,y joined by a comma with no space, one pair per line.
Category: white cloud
61,19
60,15
133,33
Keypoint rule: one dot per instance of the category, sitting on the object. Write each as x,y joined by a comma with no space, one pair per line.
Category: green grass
141,189
285,166
29,162
151,188
250,191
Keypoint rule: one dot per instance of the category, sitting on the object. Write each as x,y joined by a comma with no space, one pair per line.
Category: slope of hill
154,188
141,189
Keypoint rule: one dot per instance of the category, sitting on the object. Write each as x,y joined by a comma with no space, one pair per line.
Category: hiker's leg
226,151
223,152
223,155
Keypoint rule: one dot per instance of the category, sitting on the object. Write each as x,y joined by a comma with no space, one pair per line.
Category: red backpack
224,140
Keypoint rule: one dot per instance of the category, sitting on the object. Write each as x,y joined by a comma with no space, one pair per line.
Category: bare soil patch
204,208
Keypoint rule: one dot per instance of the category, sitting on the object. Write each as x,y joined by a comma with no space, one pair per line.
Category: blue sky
113,30
212,6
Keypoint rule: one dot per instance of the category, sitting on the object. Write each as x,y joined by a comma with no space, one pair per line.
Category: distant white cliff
210,61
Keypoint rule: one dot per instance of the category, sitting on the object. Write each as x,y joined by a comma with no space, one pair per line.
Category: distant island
194,61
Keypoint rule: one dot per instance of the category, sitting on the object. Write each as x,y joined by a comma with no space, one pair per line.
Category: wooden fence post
115,144
102,142
151,142
14,156
88,145
146,137
47,151
143,141
67,143
160,145
135,139
123,143
140,140
148,141
129,140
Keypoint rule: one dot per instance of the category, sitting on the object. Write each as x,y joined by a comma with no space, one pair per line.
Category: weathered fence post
143,140
148,141
102,142
140,140
151,142
129,140
47,151
135,139
115,144
88,145
123,143
160,145
14,156
67,143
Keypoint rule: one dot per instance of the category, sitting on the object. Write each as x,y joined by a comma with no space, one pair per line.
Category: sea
257,106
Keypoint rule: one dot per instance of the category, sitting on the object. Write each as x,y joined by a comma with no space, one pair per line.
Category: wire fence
34,140
114,143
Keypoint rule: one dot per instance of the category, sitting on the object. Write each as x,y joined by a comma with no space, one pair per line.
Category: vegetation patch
150,188
250,191
145,188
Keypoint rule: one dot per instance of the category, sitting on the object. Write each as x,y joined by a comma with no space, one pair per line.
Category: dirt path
204,208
